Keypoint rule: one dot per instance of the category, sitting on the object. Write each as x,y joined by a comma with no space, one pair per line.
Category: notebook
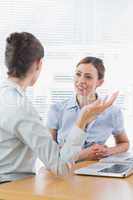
119,165
8,177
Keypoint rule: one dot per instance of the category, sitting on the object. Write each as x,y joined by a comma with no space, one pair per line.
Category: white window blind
71,30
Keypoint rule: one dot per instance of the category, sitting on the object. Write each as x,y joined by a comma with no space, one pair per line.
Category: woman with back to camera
89,75
22,135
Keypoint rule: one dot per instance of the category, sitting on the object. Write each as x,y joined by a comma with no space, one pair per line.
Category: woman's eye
78,74
88,77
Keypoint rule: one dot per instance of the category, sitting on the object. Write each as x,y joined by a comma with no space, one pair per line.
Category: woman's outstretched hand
89,112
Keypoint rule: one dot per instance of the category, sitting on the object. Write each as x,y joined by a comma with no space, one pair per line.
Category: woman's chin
82,94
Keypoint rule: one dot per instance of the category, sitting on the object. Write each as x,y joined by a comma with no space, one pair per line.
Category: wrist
83,155
80,125
111,151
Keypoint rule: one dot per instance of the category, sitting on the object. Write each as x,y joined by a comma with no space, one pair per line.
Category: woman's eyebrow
87,73
78,71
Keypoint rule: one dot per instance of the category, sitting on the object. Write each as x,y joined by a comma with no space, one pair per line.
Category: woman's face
86,80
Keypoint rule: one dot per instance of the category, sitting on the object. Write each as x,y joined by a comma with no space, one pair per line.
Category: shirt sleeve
32,133
53,117
118,121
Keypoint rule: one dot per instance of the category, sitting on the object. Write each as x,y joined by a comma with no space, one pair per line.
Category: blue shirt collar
73,104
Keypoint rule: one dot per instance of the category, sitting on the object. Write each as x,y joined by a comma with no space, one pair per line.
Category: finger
94,107
102,150
95,103
100,155
114,96
111,100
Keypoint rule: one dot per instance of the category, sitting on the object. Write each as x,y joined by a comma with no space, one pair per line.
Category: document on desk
8,177
119,165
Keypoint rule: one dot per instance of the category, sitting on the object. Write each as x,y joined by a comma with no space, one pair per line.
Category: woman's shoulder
10,94
13,99
116,109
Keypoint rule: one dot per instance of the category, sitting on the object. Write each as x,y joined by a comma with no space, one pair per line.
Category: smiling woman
89,75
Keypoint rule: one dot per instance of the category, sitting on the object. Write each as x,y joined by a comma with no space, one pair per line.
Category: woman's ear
100,82
39,64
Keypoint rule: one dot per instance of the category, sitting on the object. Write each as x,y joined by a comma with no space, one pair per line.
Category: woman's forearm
121,147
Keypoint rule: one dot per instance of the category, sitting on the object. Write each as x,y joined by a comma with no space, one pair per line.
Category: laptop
120,165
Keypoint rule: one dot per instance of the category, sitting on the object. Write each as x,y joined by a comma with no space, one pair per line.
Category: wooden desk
74,187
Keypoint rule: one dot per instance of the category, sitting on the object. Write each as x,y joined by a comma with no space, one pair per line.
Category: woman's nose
82,79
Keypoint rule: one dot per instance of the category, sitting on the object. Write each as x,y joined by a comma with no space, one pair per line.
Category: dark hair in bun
22,49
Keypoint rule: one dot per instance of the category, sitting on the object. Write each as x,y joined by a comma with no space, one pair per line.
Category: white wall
70,30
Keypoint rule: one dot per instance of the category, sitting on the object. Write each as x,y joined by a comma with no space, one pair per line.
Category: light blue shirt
23,137
63,115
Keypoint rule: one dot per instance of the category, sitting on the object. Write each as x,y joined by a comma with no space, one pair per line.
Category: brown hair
22,49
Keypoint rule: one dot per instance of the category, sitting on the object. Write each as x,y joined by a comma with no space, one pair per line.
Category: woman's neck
23,83
85,100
